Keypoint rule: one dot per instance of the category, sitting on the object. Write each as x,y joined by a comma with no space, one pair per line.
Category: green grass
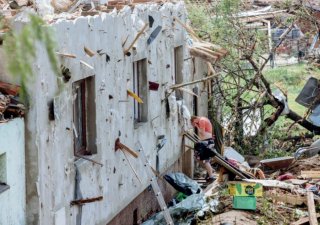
291,79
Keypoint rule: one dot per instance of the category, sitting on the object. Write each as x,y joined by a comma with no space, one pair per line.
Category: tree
242,87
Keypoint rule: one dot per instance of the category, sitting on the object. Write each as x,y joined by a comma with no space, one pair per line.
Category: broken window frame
178,69
140,87
84,118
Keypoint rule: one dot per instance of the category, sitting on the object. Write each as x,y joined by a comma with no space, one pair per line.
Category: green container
240,202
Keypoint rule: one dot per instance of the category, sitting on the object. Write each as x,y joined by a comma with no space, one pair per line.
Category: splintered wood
202,49
286,198
207,51
310,174
311,209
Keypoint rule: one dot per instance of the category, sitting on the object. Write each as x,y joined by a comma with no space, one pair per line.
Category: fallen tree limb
303,122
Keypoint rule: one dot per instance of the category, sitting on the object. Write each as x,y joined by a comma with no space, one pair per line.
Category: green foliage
240,94
270,154
20,48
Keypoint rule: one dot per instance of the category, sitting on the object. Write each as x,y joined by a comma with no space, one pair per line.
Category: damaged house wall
12,173
55,176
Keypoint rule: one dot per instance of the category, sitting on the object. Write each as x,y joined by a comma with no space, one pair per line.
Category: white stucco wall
50,158
13,200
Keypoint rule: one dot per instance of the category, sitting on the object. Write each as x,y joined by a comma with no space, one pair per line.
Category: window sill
139,124
4,187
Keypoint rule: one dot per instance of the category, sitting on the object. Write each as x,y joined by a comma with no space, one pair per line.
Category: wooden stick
188,91
210,67
136,38
303,220
311,209
119,145
210,51
211,46
87,200
202,54
66,55
188,29
86,64
91,160
188,146
134,171
194,134
88,51
193,82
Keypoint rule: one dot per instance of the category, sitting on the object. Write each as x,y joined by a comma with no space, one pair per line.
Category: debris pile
289,194
10,106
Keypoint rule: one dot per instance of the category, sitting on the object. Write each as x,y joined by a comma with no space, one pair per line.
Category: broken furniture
278,163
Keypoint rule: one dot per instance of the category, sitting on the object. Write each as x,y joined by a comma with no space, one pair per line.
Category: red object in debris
9,89
153,86
285,176
233,163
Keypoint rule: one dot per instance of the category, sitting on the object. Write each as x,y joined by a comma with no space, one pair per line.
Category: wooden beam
310,174
210,51
119,145
88,51
87,200
66,55
91,160
133,170
311,209
136,38
188,29
188,91
303,220
203,55
211,46
192,82
286,198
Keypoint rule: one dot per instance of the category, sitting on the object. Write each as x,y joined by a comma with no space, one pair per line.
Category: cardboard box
245,189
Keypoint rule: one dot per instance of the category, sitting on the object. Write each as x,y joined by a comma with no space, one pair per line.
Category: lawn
291,80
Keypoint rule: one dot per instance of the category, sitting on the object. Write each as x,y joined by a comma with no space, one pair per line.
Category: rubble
10,105
283,200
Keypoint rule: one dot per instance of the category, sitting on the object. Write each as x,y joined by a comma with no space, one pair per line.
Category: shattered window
140,87
178,68
84,122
